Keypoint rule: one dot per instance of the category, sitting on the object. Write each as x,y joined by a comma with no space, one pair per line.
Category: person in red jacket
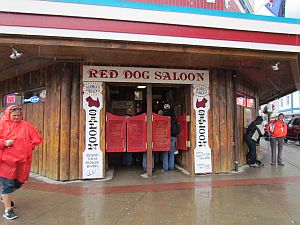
277,130
17,140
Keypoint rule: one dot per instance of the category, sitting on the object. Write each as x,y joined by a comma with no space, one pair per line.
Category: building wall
57,119
60,120
221,120
288,104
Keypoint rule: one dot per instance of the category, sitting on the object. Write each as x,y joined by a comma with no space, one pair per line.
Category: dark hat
259,118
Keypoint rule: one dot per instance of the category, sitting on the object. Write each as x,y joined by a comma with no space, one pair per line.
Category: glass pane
251,102
241,100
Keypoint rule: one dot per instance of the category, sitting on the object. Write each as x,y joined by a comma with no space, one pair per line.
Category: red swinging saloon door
182,138
137,133
161,132
115,133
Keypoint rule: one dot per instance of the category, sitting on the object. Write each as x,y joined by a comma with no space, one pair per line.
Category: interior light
275,66
15,54
141,86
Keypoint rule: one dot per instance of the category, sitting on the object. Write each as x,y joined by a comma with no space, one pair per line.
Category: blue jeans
145,161
168,156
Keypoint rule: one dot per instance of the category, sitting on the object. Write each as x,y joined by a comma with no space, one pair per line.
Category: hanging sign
32,99
92,156
201,104
10,99
143,75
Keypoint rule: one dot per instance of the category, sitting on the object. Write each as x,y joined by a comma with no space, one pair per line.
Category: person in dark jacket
254,131
168,156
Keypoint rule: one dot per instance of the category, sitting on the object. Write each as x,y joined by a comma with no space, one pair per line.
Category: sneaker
280,164
144,175
254,165
272,164
176,152
12,204
10,214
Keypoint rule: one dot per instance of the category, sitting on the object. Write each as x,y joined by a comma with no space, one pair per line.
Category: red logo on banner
92,102
10,99
202,103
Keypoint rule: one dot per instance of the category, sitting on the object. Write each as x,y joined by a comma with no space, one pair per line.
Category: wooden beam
295,71
51,42
22,68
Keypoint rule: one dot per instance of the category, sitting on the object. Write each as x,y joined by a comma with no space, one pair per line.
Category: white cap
167,106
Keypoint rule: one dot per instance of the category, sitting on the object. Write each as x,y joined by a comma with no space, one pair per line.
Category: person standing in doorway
254,131
127,156
168,156
277,130
17,140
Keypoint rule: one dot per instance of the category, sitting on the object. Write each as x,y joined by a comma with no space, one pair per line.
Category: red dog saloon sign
143,75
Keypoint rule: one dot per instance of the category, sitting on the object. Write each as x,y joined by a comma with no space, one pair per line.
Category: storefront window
245,100
250,102
25,97
241,100
288,100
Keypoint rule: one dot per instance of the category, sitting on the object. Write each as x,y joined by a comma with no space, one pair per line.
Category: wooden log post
65,119
75,108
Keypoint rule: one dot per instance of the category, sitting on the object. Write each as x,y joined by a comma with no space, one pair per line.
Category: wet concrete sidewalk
261,196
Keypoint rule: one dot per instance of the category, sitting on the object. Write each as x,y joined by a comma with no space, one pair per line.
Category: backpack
175,127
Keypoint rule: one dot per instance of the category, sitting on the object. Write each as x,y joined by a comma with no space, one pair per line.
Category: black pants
252,150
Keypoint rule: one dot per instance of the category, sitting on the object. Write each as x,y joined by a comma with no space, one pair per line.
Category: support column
149,130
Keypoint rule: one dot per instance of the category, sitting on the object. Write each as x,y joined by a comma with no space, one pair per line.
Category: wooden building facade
61,120
239,77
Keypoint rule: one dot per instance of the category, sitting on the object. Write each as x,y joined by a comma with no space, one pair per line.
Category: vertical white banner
202,152
92,156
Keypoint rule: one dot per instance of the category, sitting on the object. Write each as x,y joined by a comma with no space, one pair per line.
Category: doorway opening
126,108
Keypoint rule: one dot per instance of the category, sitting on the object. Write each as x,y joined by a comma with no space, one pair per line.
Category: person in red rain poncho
17,140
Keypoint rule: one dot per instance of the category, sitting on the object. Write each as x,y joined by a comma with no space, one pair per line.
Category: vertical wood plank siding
229,125
61,120
65,116
57,119
81,126
74,141
221,120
